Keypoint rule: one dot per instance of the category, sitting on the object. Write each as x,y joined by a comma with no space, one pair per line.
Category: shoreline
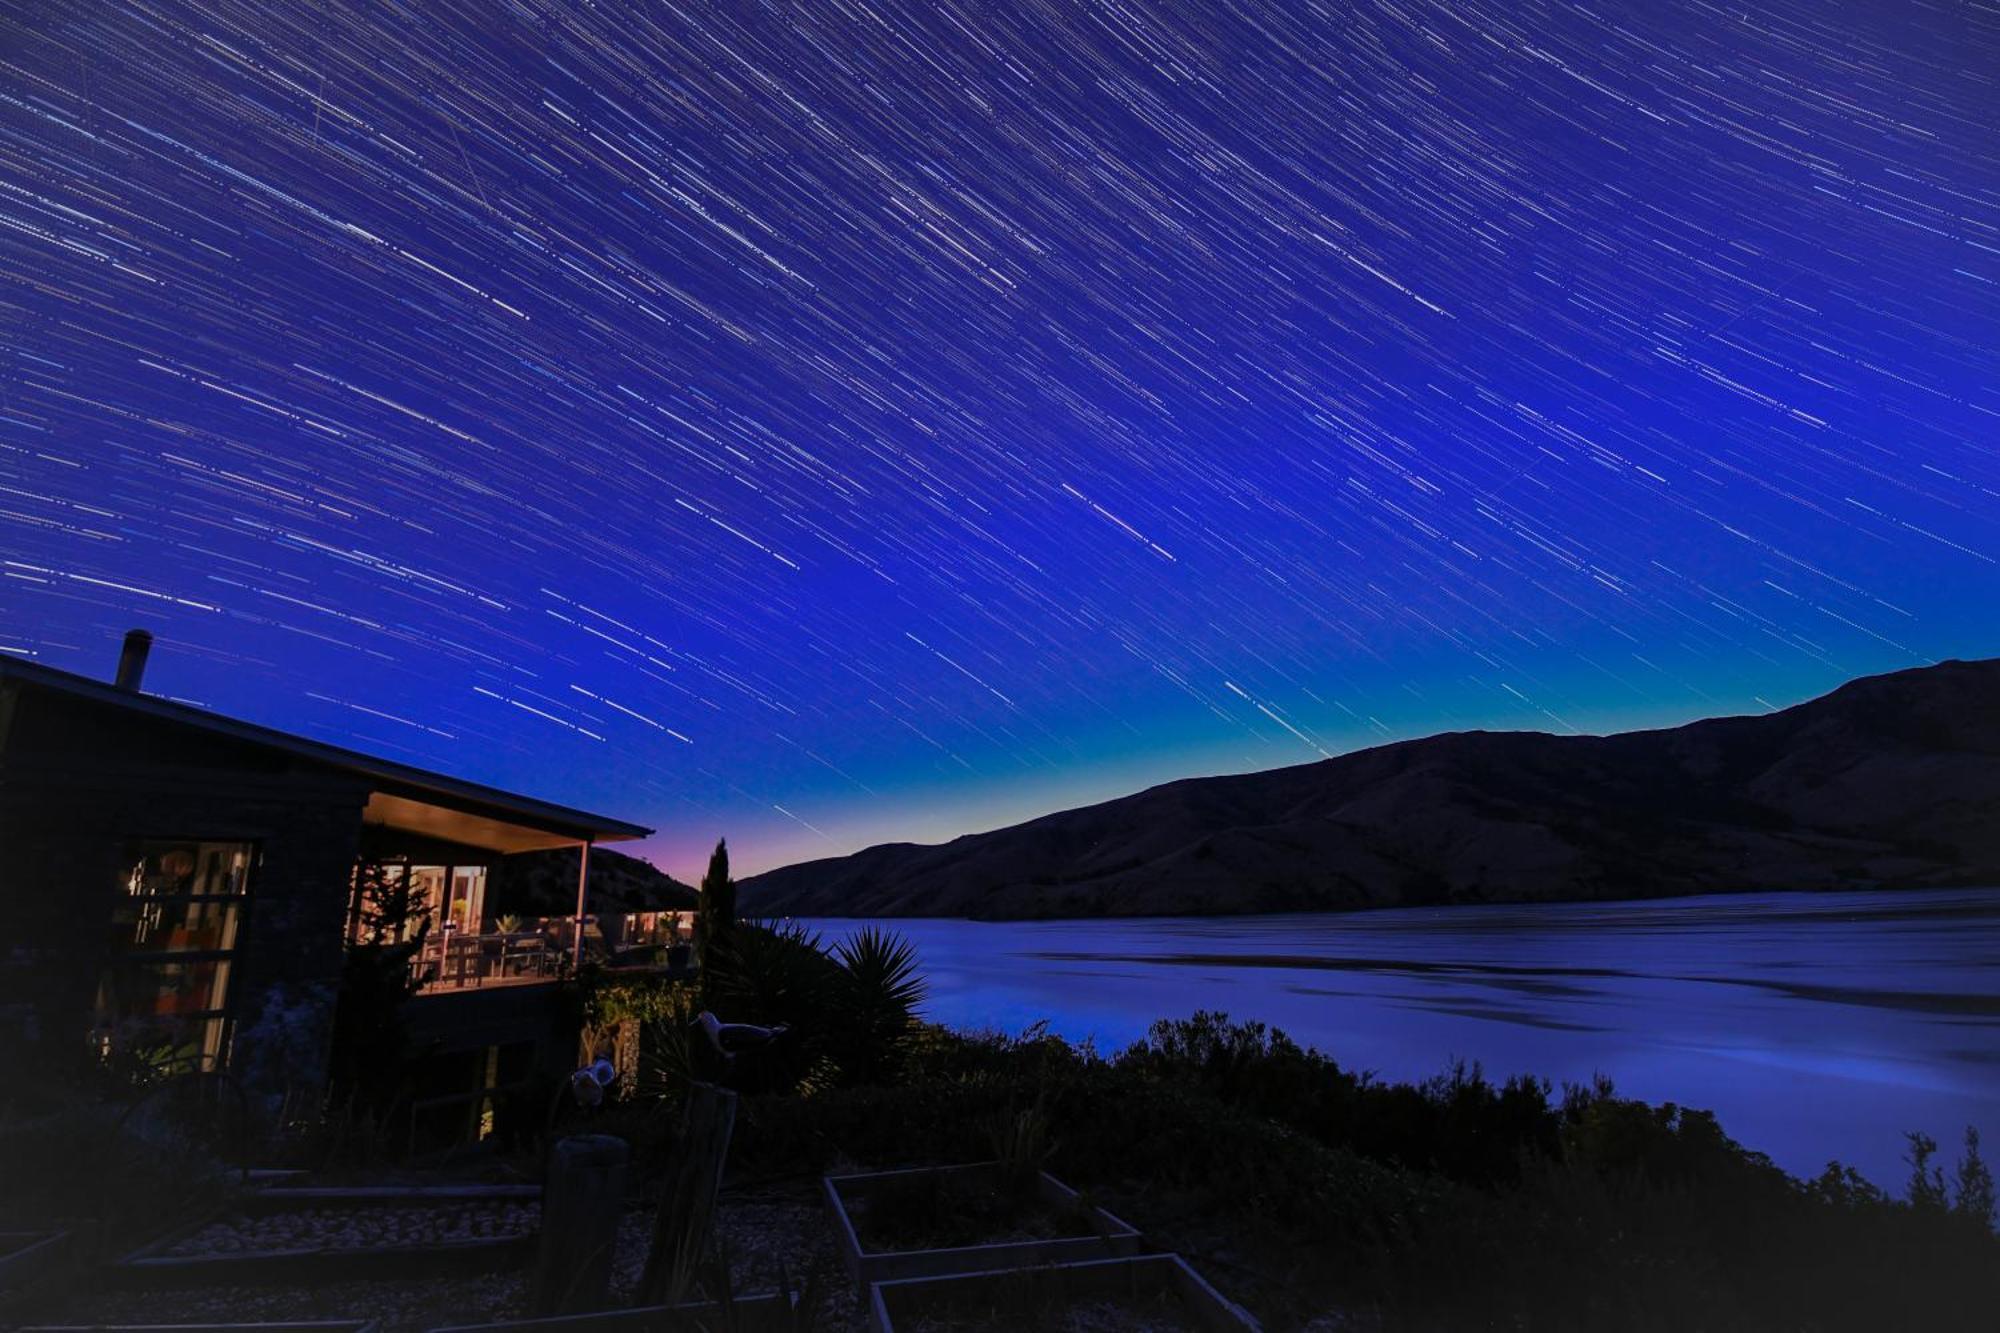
1372,909
1816,1024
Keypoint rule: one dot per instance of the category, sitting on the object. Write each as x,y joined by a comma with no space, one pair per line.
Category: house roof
405,797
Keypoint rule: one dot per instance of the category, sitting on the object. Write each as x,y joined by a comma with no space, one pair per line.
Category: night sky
831,423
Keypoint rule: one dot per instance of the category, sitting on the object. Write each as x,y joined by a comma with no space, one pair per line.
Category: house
180,887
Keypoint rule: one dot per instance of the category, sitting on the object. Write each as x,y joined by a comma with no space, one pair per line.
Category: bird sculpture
731,1039
587,1084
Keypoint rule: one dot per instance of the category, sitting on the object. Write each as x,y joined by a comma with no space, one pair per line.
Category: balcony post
582,879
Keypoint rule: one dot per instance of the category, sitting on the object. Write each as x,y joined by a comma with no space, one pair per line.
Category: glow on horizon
851,827
666,420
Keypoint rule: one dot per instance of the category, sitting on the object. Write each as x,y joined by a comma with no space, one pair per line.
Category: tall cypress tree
718,901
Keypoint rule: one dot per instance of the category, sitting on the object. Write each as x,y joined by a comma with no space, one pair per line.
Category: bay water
1815,1025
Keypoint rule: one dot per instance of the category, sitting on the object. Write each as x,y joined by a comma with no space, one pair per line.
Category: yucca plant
879,993
849,1012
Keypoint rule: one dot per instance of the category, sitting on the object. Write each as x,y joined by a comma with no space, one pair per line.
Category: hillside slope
1888,781
533,884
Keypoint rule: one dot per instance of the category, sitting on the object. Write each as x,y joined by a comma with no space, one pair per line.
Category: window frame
123,960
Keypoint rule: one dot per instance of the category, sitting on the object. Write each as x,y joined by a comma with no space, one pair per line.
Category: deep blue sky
827,424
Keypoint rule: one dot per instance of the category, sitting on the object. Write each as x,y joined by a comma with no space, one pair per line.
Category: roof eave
567,821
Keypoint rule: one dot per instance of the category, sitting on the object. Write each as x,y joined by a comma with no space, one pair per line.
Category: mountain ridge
1890,780
536,884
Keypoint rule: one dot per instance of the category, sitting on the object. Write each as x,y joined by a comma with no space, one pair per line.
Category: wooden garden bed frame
1031,1291
1113,1237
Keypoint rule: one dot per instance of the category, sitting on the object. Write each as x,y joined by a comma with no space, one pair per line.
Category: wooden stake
687,1203
580,1204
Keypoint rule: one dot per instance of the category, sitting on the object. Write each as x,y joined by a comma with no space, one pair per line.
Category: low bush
1458,1202
95,1160
1454,1203
1459,1124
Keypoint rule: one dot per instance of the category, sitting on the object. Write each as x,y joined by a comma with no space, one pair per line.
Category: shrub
1458,1124
849,1013
137,1173
1452,1203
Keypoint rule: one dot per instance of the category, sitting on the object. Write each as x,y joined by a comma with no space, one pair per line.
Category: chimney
132,661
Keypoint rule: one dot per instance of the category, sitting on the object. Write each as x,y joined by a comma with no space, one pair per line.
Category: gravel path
770,1239
768,1235
358,1228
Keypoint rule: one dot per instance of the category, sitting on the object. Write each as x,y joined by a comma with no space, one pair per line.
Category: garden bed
34,1264
303,1326
1155,1293
745,1314
961,1219
24,1254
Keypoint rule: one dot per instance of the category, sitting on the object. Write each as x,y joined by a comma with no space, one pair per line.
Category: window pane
182,895
468,898
177,867
149,989
173,925
426,889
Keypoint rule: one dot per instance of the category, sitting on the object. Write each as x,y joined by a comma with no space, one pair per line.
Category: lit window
164,1000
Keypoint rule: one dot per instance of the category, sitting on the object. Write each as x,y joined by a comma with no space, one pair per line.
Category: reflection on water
1815,1025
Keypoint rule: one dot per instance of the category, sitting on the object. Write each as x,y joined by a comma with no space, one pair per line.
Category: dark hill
1889,781
532,884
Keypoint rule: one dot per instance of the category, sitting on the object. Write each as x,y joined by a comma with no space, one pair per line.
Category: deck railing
457,961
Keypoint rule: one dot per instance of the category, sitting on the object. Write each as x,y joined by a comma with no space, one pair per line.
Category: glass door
164,999
467,911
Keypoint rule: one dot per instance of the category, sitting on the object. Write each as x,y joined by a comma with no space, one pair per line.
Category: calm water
1814,1025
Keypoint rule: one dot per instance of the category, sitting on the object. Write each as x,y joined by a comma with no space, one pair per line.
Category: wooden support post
582,882
687,1203
580,1205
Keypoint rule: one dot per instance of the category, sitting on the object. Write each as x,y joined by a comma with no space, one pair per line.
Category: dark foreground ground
1318,1199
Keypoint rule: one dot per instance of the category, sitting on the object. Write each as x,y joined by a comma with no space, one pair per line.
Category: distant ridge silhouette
535,884
1890,781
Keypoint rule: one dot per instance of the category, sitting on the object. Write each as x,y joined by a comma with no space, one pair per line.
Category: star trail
828,423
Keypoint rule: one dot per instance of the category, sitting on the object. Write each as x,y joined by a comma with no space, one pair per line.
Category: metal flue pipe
132,660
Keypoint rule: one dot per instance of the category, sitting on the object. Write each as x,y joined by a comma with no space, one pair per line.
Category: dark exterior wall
448,1021
79,778
508,1048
